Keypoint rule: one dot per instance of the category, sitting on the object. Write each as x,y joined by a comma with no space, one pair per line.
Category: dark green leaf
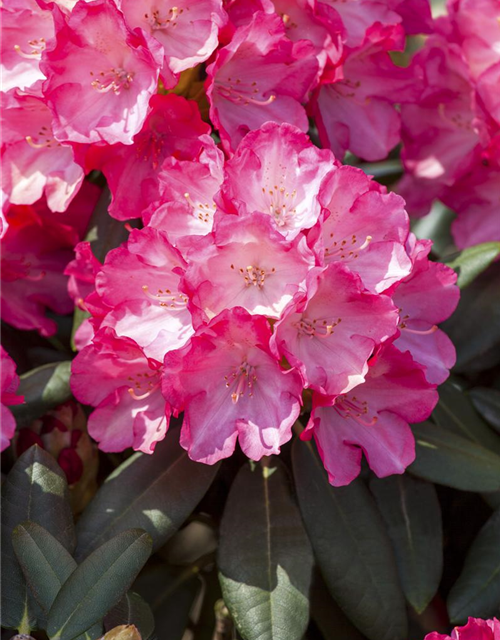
45,562
43,389
412,515
352,548
455,412
98,584
170,594
329,617
477,591
487,402
132,609
265,559
472,261
477,350
154,492
36,490
447,458
436,225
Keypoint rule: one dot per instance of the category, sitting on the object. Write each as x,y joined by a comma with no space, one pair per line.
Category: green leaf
446,458
477,591
45,562
411,511
265,558
456,413
98,584
36,490
487,402
477,350
43,389
352,548
153,492
132,609
472,261
170,594
328,616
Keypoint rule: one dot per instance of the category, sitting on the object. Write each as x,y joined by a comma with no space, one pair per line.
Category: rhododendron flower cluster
475,629
255,278
262,273
451,132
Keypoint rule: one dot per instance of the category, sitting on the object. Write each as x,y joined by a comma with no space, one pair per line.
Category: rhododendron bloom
475,629
34,162
260,76
427,297
231,387
357,112
187,191
187,30
364,228
27,29
173,127
9,384
82,272
329,333
276,170
36,248
139,282
114,375
100,75
246,263
372,419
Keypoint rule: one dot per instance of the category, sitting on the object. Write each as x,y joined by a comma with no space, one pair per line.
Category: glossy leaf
456,413
472,261
411,511
352,548
45,562
98,584
43,389
170,594
446,458
154,492
477,591
487,402
265,559
474,328
36,490
132,610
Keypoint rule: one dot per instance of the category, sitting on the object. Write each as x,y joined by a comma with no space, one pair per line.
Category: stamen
144,395
427,332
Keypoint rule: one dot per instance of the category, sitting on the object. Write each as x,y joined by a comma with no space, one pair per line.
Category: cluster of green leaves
295,557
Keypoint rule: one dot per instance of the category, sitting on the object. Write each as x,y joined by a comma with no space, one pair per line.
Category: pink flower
82,272
475,199
260,76
276,170
330,332
245,263
473,24
427,297
372,419
187,191
231,387
139,283
100,75
475,629
9,385
364,228
441,131
187,31
34,162
173,127
357,111
26,31
36,248
113,375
